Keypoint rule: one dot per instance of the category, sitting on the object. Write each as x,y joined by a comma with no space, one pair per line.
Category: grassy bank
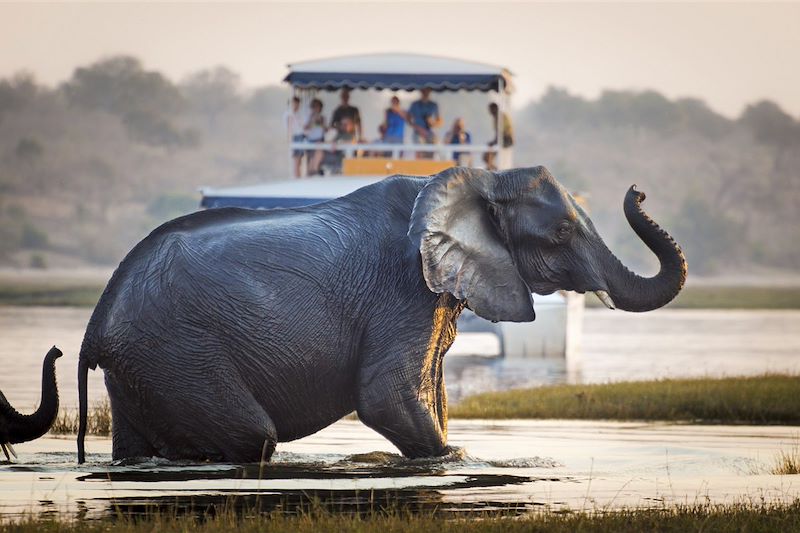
85,294
770,399
708,297
50,294
708,518
98,420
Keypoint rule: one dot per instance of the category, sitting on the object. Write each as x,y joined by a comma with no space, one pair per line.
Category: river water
615,346
509,465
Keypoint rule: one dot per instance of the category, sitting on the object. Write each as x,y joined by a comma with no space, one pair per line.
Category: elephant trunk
23,428
632,292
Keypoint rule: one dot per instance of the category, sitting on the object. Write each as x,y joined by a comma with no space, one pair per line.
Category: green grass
50,294
708,297
751,518
769,399
74,294
98,420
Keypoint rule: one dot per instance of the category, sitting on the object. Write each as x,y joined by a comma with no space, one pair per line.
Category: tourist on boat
345,110
423,115
458,134
490,158
346,134
294,120
394,123
315,133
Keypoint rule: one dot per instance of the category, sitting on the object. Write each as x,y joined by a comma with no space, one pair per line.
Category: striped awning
407,72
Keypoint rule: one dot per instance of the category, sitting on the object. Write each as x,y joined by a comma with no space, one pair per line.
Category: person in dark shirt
345,110
458,134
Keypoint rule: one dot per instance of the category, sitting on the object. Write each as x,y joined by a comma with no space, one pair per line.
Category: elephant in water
228,330
16,427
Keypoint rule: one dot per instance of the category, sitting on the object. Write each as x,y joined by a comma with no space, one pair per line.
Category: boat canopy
392,71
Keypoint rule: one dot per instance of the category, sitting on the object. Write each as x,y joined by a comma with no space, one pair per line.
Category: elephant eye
563,231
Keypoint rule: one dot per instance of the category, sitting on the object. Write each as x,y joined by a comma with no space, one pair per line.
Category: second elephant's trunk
23,428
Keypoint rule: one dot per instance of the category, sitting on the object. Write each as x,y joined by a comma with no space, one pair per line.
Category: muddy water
509,465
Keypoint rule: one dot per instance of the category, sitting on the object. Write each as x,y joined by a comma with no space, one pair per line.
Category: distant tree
120,86
697,117
771,125
28,149
212,92
17,91
144,100
558,108
268,99
710,238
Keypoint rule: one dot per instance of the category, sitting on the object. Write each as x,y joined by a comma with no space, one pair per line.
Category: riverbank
767,399
85,288
749,517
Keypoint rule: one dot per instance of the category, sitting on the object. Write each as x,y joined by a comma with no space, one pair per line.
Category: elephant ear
462,251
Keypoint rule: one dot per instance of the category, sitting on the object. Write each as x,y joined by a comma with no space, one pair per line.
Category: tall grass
752,518
768,399
788,461
98,420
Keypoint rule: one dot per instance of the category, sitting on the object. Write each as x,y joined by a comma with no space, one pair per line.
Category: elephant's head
491,239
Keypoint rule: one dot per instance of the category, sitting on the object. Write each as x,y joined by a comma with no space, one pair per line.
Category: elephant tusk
606,299
5,451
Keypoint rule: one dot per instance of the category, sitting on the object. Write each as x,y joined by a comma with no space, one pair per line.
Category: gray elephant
16,427
229,330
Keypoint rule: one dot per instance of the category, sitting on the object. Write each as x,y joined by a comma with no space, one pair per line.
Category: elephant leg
407,422
401,389
220,422
227,424
127,441
252,436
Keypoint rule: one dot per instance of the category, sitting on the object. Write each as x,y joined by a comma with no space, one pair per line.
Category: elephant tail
83,371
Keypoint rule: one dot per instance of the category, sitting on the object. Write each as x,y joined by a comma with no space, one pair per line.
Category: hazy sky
728,54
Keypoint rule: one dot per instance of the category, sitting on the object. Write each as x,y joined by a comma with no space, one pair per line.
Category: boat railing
443,152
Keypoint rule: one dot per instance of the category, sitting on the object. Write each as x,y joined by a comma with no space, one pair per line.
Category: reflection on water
615,346
502,466
511,466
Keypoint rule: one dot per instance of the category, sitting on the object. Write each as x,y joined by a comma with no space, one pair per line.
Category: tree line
89,166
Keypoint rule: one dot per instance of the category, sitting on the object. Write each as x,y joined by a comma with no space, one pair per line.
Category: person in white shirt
295,122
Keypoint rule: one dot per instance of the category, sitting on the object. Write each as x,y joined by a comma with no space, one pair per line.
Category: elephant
229,330
16,427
